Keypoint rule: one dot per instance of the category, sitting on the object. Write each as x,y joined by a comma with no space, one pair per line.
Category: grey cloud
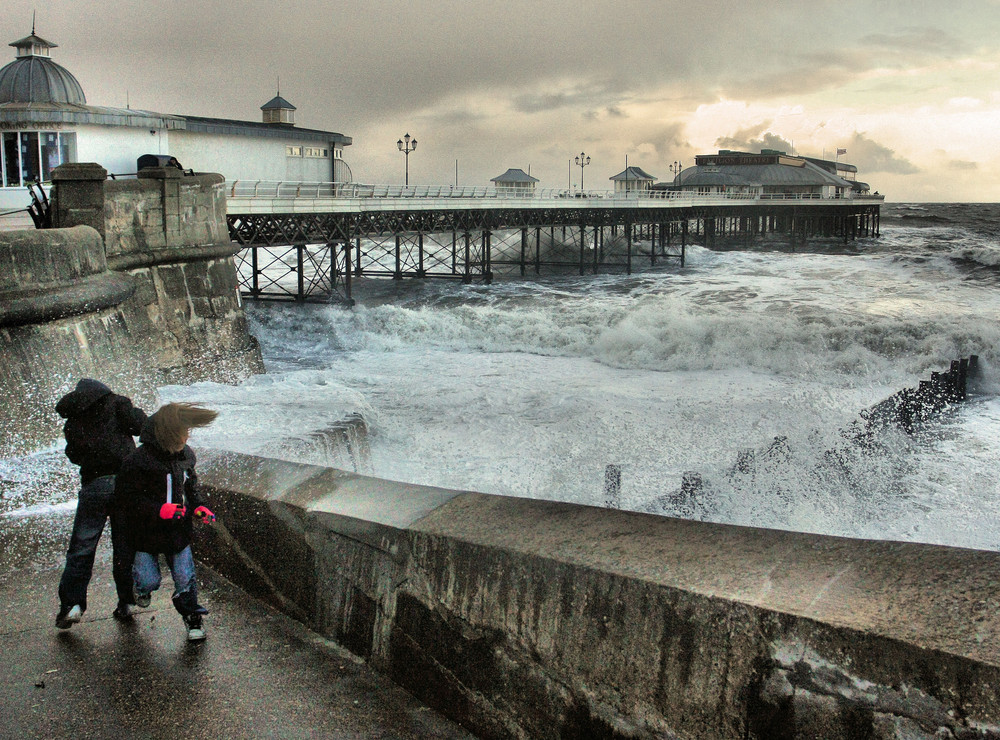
962,164
924,40
754,139
353,67
533,103
870,156
590,96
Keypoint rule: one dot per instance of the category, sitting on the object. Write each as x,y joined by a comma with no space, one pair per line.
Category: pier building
515,182
769,173
46,121
632,179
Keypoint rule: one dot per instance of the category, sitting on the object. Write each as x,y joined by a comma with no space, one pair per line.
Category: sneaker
142,600
123,612
67,617
195,630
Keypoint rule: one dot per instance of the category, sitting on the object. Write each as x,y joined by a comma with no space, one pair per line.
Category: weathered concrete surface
524,618
52,274
148,219
61,319
168,231
155,301
258,675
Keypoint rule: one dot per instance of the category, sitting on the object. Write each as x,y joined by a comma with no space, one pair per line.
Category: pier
308,241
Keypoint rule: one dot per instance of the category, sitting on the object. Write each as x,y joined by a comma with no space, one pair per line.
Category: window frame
12,168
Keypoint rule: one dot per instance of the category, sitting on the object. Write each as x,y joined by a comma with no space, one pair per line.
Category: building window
11,161
278,115
293,151
30,156
317,152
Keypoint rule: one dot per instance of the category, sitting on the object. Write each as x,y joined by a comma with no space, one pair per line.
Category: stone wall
136,286
168,231
535,619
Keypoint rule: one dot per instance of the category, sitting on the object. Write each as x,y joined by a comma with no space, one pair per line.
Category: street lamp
582,161
676,168
406,148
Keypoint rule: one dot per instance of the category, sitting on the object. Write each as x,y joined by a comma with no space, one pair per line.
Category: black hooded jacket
99,428
142,487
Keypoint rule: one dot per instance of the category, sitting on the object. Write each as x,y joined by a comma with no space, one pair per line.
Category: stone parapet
524,618
165,215
166,230
56,273
82,200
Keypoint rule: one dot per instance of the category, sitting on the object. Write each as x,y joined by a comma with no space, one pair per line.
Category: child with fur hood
156,493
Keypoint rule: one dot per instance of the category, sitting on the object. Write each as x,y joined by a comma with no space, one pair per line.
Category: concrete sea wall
136,286
533,619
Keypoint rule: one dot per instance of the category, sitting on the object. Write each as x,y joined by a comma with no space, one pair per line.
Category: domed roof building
45,121
34,78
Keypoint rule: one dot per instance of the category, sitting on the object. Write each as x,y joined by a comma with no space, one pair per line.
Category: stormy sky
910,89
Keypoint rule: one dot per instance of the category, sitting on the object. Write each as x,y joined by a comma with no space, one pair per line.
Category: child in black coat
156,493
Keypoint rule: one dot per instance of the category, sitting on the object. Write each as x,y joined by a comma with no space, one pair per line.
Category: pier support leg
628,248
524,248
300,268
487,257
467,275
538,250
347,271
255,278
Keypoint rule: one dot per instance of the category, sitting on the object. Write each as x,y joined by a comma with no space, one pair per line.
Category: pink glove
172,511
204,513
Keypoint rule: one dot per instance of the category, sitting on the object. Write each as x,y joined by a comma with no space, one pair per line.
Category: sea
534,387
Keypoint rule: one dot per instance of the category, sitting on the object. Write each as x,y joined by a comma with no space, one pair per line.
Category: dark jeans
93,508
147,579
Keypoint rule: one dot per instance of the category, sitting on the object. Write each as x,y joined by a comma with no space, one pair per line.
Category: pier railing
248,190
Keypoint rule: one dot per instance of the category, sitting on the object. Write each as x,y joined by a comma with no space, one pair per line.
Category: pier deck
307,241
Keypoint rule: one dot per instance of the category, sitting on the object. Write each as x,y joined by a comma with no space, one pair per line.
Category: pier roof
633,173
514,175
277,102
258,128
783,172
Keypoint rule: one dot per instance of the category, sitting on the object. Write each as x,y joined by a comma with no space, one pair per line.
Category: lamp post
407,145
582,161
676,168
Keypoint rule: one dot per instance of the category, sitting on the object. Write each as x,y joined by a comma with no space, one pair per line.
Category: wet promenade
259,674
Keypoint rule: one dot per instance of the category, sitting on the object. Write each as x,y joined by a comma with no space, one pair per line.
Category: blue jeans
93,508
146,571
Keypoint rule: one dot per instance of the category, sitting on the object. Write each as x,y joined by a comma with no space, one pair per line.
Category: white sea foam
529,388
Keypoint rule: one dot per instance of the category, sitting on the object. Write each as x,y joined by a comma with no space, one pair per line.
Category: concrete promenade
259,674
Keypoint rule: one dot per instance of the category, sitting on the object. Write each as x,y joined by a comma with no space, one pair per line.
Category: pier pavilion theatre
45,120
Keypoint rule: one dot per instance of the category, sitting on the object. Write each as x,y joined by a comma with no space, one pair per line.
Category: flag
841,151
